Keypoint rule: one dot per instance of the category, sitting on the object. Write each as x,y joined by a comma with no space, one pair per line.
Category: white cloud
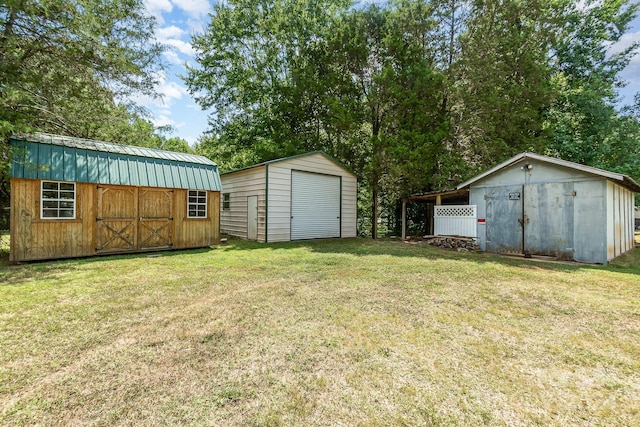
181,46
172,57
169,92
163,120
172,36
625,41
170,32
193,7
157,7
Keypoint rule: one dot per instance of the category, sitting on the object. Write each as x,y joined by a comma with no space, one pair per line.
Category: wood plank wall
33,238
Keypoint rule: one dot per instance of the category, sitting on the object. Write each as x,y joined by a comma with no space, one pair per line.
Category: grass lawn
349,332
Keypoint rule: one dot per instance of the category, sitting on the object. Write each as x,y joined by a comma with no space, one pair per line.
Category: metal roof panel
45,156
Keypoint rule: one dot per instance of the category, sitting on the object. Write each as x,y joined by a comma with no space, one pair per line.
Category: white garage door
315,205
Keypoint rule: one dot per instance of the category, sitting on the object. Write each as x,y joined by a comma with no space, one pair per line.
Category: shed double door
535,218
133,219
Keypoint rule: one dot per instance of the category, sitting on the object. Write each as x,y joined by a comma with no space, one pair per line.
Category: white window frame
191,205
57,199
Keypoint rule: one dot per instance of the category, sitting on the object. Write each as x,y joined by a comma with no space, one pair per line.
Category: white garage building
309,196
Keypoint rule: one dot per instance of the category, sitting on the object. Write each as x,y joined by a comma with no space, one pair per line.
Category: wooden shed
538,205
308,196
74,197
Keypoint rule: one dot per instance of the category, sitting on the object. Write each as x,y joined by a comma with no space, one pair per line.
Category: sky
179,19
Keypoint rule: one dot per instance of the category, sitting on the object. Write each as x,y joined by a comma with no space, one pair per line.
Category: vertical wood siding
33,238
240,185
196,232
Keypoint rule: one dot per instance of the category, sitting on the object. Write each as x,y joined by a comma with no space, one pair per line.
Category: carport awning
460,196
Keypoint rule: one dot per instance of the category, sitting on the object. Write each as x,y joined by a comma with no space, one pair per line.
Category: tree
583,120
57,56
501,82
64,64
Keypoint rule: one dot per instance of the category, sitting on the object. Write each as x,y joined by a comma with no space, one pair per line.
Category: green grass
349,332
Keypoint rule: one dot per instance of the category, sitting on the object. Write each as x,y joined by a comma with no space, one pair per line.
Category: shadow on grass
16,273
627,263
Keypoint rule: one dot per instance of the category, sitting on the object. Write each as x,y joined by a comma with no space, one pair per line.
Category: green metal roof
62,158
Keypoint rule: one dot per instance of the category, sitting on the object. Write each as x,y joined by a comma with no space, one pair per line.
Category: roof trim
433,194
109,147
296,156
622,179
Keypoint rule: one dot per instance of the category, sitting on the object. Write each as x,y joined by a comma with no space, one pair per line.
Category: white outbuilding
308,196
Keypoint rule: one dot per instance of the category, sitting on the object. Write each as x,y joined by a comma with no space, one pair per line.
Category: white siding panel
317,163
240,185
315,205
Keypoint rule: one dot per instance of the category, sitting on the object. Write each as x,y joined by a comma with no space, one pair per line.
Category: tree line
416,95
412,95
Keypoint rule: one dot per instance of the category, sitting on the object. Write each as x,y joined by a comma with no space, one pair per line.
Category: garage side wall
620,234
279,176
240,185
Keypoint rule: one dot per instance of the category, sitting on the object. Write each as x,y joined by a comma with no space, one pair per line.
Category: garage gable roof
623,180
63,158
310,153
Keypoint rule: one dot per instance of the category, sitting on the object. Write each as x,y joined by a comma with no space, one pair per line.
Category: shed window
197,204
58,200
226,201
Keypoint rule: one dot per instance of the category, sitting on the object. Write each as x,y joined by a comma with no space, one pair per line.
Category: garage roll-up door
315,205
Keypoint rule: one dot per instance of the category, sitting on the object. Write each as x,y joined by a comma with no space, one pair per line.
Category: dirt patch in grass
334,332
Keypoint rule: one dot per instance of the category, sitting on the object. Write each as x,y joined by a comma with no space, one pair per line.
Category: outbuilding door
534,219
548,220
252,218
504,216
315,205
131,219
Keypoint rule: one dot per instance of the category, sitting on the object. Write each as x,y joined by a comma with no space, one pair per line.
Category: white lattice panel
459,211
455,220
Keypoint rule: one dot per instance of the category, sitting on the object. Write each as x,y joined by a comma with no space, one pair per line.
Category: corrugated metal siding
315,205
42,160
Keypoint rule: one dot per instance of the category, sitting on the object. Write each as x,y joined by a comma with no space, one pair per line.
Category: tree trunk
374,213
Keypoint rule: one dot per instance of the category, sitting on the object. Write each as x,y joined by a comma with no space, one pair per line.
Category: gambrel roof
63,158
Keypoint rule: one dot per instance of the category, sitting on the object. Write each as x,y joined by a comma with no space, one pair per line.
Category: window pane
193,199
50,204
66,213
50,213
66,195
50,185
67,205
192,193
202,199
67,186
49,194
192,213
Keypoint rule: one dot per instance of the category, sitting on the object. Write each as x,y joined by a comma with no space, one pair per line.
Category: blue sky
179,19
